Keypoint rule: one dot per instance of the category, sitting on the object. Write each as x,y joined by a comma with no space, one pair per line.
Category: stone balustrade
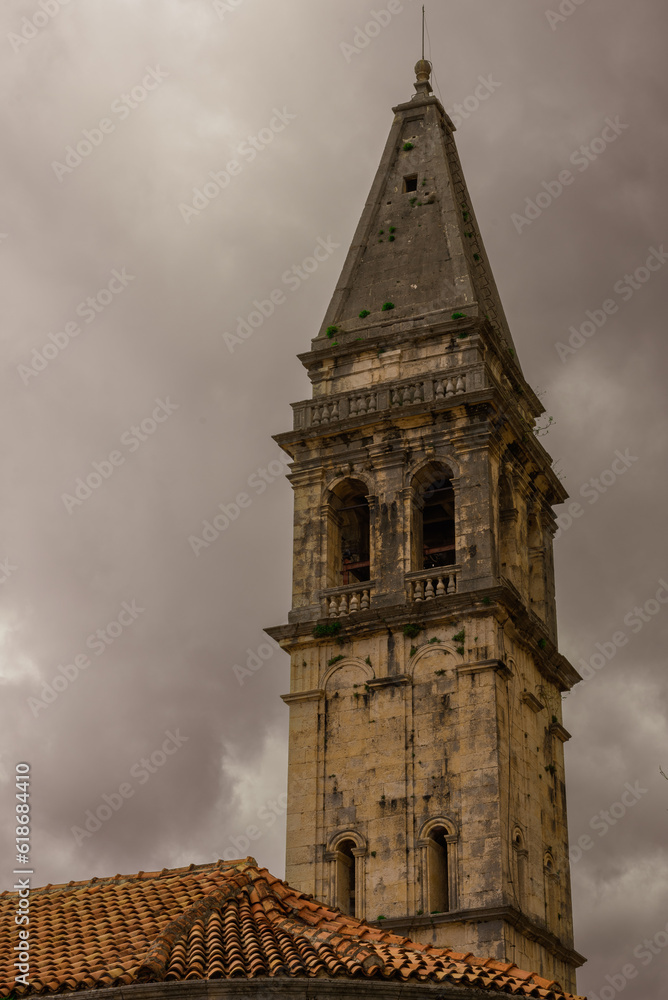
329,410
427,584
342,601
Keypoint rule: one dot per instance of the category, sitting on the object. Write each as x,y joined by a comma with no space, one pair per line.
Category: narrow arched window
345,877
437,870
434,541
349,548
520,859
439,881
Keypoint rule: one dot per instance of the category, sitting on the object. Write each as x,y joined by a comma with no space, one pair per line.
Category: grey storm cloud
168,166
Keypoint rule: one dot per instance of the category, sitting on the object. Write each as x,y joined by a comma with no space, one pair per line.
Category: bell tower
426,768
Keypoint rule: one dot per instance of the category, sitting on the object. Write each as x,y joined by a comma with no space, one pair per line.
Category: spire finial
423,68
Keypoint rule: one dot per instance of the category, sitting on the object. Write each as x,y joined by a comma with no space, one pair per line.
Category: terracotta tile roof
219,921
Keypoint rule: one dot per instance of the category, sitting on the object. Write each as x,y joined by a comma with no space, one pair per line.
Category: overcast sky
113,219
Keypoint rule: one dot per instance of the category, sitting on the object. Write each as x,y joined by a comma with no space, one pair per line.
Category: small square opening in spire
410,183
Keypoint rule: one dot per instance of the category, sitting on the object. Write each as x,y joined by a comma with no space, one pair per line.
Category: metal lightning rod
423,17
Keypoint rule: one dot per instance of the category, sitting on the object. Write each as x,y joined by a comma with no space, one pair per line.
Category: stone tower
426,769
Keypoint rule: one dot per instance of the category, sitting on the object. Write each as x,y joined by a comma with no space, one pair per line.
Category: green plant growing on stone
460,650
412,652
412,630
458,315
413,201
459,637
391,239
331,330
551,769
368,661
381,917
331,628
408,146
387,306
465,216
373,854
393,229
335,659
476,256
439,673
382,232
432,641
364,314
487,600
542,643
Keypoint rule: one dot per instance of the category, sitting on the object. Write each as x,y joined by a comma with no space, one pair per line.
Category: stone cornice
509,914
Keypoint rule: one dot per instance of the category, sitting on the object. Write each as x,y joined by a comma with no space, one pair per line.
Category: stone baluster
343,605
371,404
419,590
439,389
335,410
452,584
333,607
354,603
365,600
450,388
325,414
440,587
353,406
315,416
461,385
429,591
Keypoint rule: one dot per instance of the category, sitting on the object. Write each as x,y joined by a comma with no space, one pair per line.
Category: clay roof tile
230,919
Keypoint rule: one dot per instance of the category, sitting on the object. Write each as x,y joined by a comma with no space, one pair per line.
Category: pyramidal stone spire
417,256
